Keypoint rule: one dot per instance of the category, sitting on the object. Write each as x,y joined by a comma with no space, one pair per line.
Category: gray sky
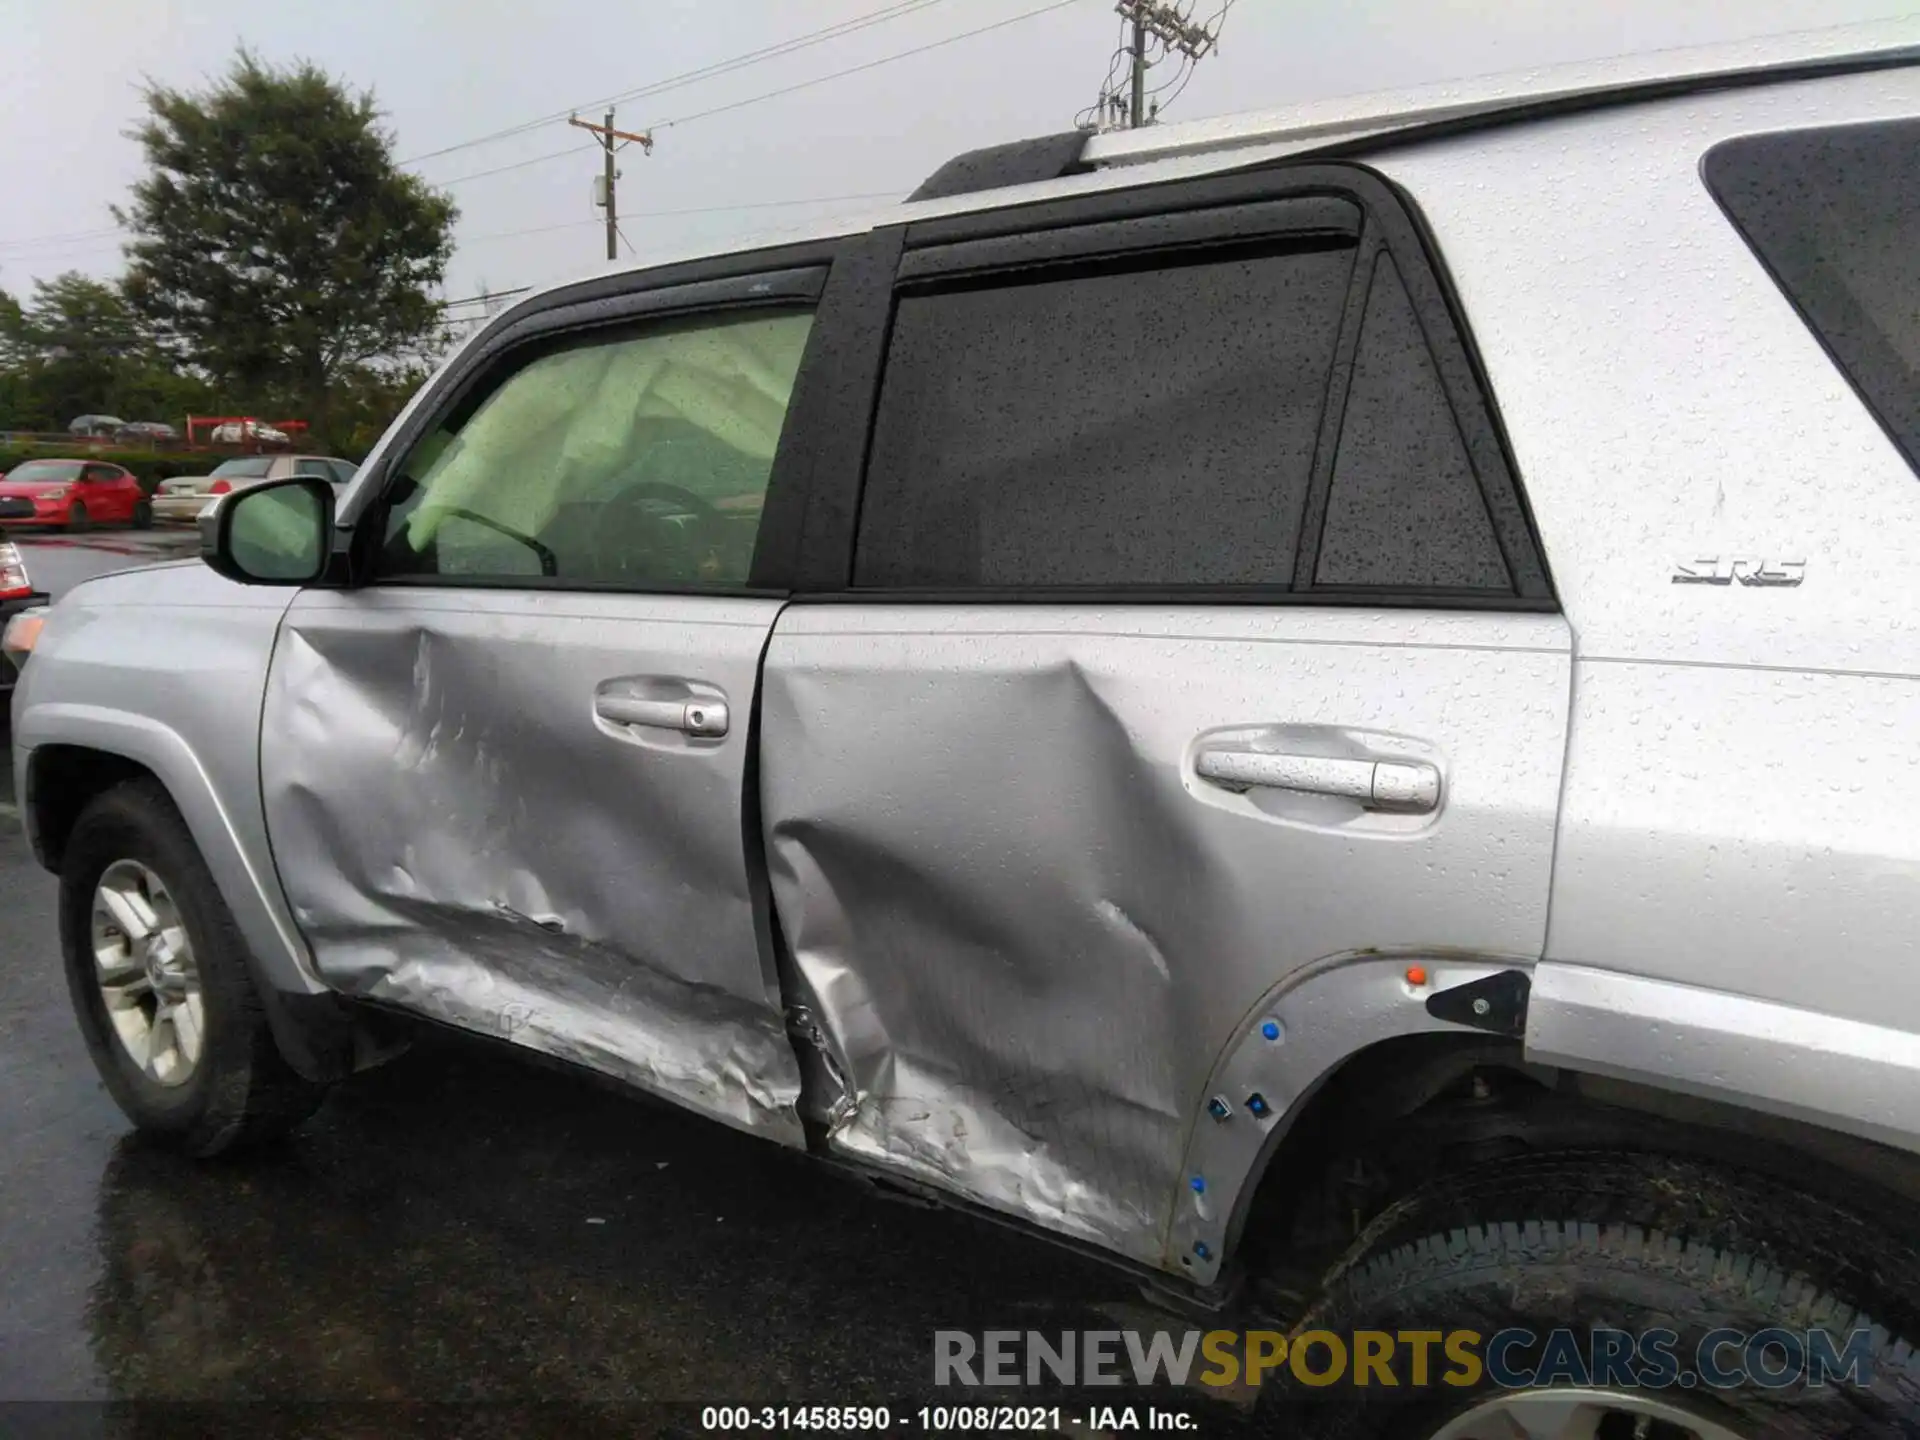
448,71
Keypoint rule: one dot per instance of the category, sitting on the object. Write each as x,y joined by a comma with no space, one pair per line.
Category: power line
776,94
690,210
516,165
36,242
705,72
858,69
482,298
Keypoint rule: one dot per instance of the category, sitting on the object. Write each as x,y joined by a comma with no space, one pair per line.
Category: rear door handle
1407,786
704,718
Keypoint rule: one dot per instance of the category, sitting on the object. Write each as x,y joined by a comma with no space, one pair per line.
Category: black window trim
1390,222
593,312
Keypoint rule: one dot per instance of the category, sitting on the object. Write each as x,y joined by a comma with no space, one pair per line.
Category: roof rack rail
1024,162
1317,125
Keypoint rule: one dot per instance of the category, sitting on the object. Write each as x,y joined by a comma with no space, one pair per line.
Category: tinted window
252,467
343,471
319,469
1152,427
636,461
45,472
1835,215
1404,509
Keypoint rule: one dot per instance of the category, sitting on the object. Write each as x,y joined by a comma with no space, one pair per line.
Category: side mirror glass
276,533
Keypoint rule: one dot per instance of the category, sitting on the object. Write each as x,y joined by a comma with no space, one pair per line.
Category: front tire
1587,1243
160,982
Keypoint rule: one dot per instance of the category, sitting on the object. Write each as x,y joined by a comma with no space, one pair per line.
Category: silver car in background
182,498
1324,705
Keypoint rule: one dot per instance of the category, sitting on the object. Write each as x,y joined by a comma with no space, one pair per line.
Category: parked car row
105,426
185,496
75,494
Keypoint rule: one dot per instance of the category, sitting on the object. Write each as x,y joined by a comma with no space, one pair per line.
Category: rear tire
1617,1242
76,517
142,928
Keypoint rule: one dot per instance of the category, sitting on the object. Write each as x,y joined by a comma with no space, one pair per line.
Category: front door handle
1410,787
704,718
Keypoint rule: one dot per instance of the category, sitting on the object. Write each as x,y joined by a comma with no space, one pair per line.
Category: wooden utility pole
610,177
1168,24
1137,109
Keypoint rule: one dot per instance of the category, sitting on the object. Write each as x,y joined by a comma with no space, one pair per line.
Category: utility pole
1137,111
1170,25
610,177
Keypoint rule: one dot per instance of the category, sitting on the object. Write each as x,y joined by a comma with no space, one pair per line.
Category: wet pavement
463,1225
56,562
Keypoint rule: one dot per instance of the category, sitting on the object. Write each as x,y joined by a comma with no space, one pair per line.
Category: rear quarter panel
1744,763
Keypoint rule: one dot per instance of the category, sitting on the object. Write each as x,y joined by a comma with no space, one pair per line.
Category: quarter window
638,460
1404,510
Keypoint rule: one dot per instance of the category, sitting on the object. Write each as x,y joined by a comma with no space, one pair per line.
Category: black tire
142,515
241,1091
76,517
1621,1242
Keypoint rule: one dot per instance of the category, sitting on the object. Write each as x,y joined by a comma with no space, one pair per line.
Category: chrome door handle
1406,786
704,718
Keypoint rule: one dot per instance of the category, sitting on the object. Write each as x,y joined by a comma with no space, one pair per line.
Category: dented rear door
1194,642
506,775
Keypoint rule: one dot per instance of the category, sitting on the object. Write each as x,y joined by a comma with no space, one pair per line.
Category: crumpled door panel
1026,927
460,833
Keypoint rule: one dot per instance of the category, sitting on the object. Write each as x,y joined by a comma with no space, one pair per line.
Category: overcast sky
450,71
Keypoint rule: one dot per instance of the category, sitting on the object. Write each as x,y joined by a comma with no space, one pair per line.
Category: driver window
639,461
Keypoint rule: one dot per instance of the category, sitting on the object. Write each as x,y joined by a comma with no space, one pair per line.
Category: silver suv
1323,704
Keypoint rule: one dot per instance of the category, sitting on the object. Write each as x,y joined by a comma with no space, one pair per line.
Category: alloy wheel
144,965
1580,1414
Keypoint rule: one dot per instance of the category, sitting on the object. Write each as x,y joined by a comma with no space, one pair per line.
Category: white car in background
238,432
184,497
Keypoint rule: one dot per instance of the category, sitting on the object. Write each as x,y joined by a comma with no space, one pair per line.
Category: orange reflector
23,631
1416,975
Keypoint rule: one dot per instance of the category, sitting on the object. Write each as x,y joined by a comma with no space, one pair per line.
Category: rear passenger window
1834,214
1119,427
1405,509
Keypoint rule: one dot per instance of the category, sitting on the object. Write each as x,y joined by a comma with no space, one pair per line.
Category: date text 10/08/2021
988,1419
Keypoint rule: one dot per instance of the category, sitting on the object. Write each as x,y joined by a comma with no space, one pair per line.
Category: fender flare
311,1026
1318,1017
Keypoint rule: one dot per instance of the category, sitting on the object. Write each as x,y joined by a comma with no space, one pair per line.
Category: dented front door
505,781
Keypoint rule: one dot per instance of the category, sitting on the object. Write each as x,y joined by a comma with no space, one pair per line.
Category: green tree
276,245
78,347
84,341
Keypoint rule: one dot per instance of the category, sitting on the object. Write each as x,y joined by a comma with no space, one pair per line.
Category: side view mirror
276,533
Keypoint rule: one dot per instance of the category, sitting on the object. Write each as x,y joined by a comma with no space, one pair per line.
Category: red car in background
72,494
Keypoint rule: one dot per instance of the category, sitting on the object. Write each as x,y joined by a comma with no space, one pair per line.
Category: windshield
253,467
44,472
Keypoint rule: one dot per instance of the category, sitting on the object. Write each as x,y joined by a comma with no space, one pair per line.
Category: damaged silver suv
1324,704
